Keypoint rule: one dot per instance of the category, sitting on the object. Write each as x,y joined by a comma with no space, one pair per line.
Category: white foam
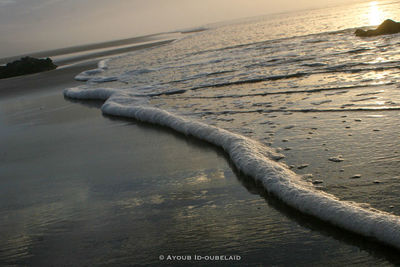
90,94
103,79
103,64
256,160
88,74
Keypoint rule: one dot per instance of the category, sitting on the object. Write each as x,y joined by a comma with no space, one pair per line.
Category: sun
375,14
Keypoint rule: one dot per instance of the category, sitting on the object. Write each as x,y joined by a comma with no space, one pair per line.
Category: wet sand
55,79
88,47
78,188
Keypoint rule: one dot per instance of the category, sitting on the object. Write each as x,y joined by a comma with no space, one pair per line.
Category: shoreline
41,81
70,67
111,52
140,173
89,47
142,180
286,185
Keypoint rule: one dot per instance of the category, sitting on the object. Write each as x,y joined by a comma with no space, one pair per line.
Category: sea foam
88,75
259,162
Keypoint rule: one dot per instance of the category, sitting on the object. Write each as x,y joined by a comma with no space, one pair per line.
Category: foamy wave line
88,74
257,161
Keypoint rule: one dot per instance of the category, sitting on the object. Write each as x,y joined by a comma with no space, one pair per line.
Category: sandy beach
43,81
79,188
110,47
82,189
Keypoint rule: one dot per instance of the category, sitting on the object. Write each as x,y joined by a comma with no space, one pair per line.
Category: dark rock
387,27
26,65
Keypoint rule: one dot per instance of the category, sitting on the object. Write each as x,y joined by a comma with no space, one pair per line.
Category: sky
37,25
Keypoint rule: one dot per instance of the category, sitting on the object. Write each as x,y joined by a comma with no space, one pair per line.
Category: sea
296,100
303,109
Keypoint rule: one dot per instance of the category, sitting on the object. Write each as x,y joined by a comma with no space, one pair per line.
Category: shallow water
71,195
300,82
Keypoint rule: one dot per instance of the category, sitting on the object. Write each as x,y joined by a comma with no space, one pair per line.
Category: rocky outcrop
387,27
26,65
